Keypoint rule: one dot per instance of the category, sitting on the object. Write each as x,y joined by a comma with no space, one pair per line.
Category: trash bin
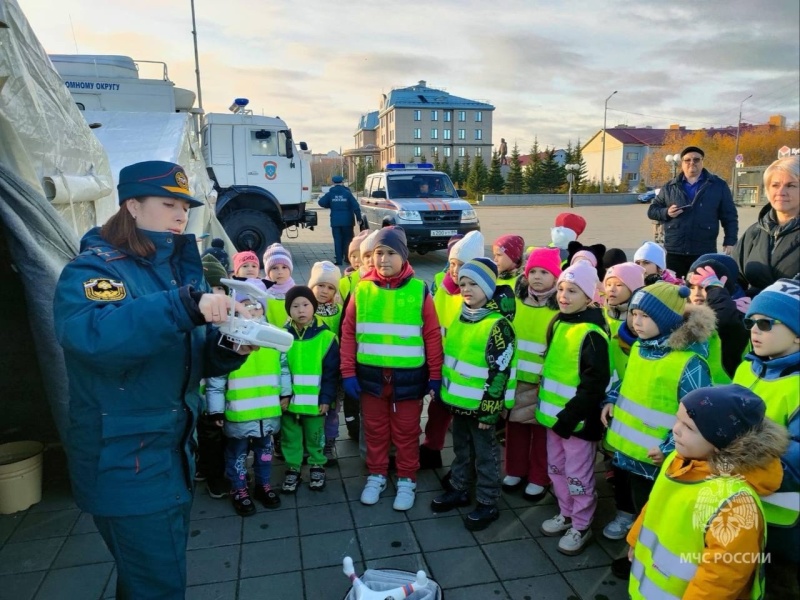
20,476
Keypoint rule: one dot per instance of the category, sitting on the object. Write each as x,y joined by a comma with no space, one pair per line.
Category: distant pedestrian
344,207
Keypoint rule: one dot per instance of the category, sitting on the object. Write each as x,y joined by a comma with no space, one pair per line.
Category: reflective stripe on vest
389,325
561,370
530,325
448,307
253,391
305,363
645,412
672,539
782,397
718,374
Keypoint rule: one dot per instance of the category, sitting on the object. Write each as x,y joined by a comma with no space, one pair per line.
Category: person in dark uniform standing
136,321
344,207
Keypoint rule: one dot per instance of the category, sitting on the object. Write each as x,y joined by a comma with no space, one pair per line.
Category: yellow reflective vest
671,541
305,364
333,321
530,325
718,374
619,358
276,312
254,389
448,308
348,283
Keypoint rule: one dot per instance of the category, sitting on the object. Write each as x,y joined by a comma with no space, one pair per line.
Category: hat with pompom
663,302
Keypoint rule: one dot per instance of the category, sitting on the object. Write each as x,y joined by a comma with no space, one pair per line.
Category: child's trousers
384,423
571,466
236,450
439,419
469,441
526,452
299,432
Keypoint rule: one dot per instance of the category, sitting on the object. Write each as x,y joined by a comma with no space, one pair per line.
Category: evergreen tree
466,168
457,175
437,166
553,175
577,159
570,153
624,186
444,167
531,175
478,179
496,182
361,174
514,179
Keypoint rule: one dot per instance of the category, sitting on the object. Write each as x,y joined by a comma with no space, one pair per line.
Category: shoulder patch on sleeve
104,290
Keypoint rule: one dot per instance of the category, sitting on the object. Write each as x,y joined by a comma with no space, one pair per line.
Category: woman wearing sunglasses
772,370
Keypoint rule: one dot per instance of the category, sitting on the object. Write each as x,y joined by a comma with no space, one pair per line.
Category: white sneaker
619,527
573,541
406,493
534,492
373,489
556,526
511,481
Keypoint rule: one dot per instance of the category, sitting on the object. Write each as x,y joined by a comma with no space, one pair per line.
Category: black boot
429,458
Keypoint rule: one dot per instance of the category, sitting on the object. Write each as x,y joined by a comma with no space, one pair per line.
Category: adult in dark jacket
344,207
132,312
692,206
770,248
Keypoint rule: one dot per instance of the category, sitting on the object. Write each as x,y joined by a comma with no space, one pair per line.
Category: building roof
420,95
648,136
368,121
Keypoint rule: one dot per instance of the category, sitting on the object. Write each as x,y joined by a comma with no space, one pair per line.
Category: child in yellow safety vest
314,365
702,532
575,375
352,273
620,282
772,370
478,384
278,268
247,405
507,252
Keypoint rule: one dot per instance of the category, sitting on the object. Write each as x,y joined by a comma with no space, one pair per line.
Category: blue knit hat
395,238
664,303
724,413
155,178
781,301
483,271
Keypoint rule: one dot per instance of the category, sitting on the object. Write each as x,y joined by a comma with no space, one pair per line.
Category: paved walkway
53,551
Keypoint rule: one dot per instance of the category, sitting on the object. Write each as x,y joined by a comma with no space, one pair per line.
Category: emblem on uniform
180,179
104,290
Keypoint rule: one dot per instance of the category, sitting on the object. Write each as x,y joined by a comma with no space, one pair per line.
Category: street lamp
603,155
572,171
673,160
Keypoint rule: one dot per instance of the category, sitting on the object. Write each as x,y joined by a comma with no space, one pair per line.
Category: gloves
706,277
351,387
743,304
435,385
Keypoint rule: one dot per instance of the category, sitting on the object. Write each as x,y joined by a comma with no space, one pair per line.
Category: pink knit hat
583,275
276,254
243,257
585,255
548,259
630,274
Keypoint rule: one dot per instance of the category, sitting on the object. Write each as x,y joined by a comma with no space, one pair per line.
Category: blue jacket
695,231
135,347
343,206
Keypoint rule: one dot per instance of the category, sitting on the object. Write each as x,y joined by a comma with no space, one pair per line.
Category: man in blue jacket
344,207
692,206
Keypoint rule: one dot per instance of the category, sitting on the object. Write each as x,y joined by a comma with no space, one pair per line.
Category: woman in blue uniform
135,319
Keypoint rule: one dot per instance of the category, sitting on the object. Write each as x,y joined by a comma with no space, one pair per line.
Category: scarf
278,290
450,286
473,315
328,309
541,298
619,312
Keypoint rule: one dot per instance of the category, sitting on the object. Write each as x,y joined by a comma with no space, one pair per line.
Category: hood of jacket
406,273
699,323
767,222
774,368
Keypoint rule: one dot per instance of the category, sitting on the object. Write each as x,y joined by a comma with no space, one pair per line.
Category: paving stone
87,581
84,524
507,527
328,582
37,526
324,519
381,513
353,466
270,557
487,591
25,557
517,559
21,586
289,586
597,583
353,487
84,549
442,533
592,556
206,507
427,481
212,591
208,533
269,525
515,500
58,497
422,507
547,587
111,586
387,540
212,565
407,562
460,567
329,549
533,517
333,492
8,523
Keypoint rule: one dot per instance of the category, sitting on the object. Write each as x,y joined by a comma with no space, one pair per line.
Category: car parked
648,196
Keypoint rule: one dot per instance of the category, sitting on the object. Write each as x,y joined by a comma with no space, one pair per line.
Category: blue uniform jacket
135,350
343,206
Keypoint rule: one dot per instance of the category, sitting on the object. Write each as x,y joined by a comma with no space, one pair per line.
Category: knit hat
548,259
583,275
155,178
355,243
483,271
594,254
723,265
217,250
452,242
614,256
324,272
781,301
368,243
277,255
562,237
663,302
512,246
471,246
243,257
240,297
571,221
724,413
688,149
393,237
213,271
300,291
631,274
652,252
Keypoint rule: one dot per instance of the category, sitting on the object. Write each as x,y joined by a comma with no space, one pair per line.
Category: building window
434,134
478,150
434,115
632,176
434,150
448,151
418,134
462,115
448,116
478,116
478,134
462,151
631,156
447,134
417,151
418,115
462,134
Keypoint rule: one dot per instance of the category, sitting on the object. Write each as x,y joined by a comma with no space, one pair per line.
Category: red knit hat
548,259
571,221
512,246
243,257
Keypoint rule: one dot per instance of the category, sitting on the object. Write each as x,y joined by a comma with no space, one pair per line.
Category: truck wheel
251,230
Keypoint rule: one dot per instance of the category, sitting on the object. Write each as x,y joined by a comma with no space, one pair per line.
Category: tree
496,182
478,179
457,175
437,166
531,175
466,168
577,159
514,179
444,167
624,186
642,187
553,174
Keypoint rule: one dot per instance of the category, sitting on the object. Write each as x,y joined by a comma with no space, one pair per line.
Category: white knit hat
468,247
562,236
652,252
368,245
324,272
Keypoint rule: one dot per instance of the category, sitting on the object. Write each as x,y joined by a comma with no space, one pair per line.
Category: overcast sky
547,67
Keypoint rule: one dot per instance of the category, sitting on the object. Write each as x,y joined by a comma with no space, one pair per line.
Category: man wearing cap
133,314
344,207
692,206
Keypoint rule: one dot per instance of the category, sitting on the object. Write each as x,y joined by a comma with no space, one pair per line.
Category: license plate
443,232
